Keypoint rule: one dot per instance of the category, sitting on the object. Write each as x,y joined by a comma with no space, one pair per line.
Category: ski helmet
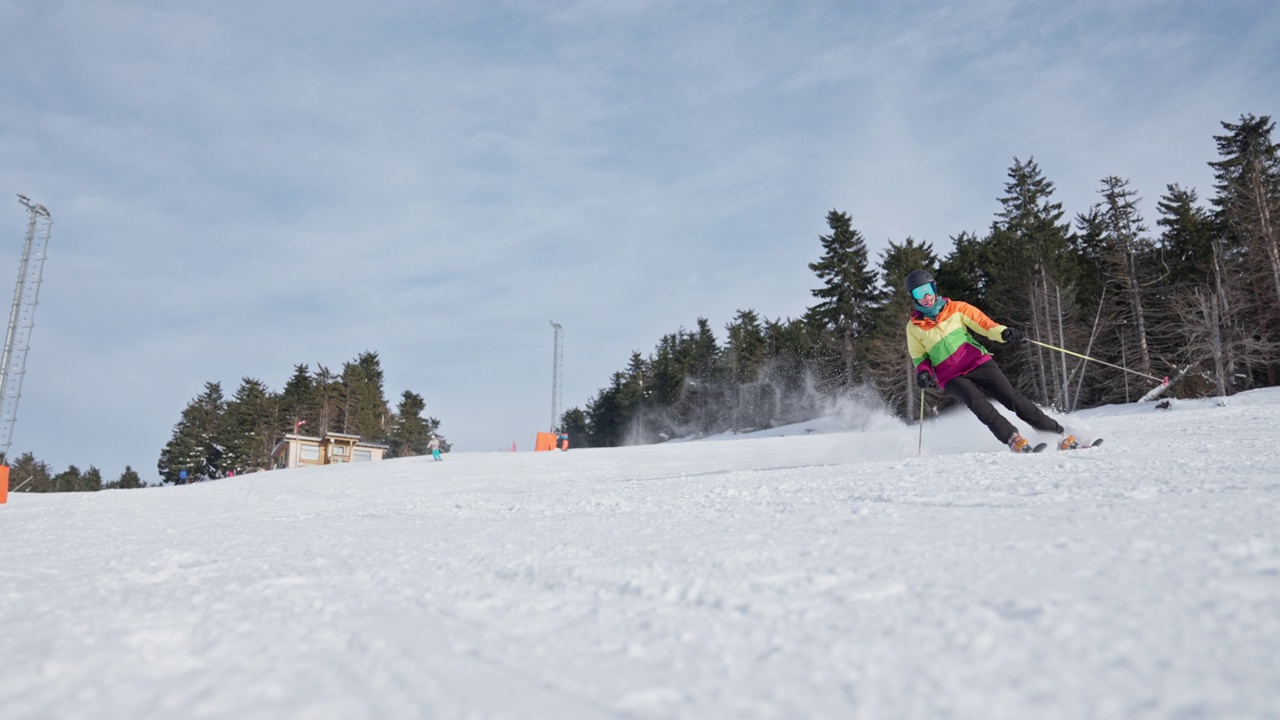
916,278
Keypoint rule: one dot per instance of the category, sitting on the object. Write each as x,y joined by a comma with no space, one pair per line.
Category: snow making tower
557,377
13,364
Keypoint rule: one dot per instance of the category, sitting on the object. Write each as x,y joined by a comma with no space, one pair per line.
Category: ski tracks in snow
811,576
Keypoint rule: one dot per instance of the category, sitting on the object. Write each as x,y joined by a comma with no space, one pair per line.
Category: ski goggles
924,291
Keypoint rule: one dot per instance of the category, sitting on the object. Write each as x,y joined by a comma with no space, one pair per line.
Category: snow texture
794,573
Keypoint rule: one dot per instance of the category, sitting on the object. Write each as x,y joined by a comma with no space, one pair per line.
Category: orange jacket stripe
945,345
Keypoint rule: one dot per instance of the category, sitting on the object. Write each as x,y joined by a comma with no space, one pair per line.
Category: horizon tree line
216,435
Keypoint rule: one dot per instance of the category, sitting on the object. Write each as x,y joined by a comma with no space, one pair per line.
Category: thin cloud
237,188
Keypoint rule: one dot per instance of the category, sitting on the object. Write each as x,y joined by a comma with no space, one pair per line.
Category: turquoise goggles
926,289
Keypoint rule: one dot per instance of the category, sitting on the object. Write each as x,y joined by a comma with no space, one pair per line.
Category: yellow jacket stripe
944,345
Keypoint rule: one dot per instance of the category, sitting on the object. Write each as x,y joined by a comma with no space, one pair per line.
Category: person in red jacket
941,343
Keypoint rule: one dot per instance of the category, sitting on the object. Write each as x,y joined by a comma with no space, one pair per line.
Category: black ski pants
973,388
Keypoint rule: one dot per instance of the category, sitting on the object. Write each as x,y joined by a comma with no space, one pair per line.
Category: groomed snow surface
784,575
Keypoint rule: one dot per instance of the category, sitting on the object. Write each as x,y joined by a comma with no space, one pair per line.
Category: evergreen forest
1194,297
217,436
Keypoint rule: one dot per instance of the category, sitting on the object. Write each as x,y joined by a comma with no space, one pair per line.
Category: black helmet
916,278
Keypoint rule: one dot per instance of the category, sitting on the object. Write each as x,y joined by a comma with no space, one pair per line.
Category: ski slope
789,574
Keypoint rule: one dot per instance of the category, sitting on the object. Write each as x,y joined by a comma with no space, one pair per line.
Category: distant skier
562,440
946,355
434,447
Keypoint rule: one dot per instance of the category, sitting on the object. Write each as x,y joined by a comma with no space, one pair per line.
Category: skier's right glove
925,380
1012,336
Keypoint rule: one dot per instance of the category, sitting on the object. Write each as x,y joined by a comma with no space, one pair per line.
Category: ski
1040,447
1082,446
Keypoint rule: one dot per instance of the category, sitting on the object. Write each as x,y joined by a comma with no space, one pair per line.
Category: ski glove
925,380
1012,336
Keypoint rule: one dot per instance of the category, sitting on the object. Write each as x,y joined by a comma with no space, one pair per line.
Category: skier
941,345
434,447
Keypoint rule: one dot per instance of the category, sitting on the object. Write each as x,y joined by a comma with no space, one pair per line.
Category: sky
238,188
832,574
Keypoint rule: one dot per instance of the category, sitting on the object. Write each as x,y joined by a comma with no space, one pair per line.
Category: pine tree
669,370
669,366
1248,185
634,401
848,296
67,480
574,422
1248,205
787,371
606,419
684,381
72,480
1186,243
891,366
746,353
617,414
705,396
331,401
366,405
963,273
30,475
1207,303
128,480
1098,299
705,352
412,432
193,446
1120,268
299,402
1028,264
250,429
745,349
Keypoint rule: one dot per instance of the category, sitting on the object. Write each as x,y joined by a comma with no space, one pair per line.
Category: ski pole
1163,381
920,446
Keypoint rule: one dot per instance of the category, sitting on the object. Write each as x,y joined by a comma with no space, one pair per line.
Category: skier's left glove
925,380
1012,336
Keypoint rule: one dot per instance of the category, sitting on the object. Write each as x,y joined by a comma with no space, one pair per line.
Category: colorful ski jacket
943,344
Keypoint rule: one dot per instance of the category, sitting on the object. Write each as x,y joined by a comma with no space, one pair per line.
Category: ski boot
1019,444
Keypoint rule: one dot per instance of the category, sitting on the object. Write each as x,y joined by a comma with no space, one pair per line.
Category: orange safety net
546,441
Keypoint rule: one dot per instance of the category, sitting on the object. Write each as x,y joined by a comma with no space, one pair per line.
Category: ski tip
1096,443
1040,447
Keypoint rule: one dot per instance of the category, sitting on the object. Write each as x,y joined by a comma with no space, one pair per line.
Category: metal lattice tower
557,377
13,364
